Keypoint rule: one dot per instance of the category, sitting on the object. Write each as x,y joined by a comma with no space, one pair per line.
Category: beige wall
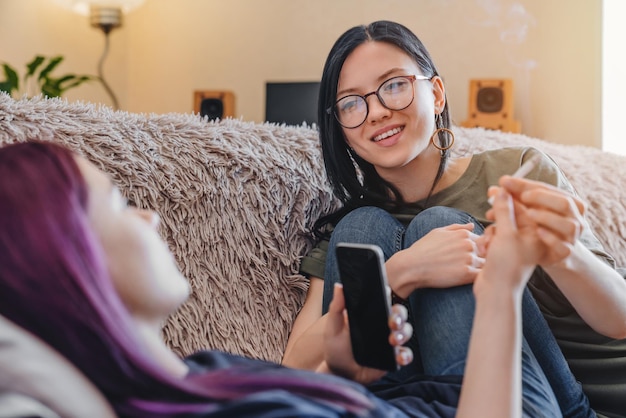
169,48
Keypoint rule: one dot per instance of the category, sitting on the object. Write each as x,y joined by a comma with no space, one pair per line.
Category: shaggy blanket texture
238,200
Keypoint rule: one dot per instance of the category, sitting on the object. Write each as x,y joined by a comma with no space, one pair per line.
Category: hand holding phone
367,298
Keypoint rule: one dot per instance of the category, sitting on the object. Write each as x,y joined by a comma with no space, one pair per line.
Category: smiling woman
402,188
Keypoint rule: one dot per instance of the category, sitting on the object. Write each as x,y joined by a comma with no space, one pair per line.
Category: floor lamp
105,15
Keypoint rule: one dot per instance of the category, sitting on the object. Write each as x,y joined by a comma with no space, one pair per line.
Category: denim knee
364,225
437,217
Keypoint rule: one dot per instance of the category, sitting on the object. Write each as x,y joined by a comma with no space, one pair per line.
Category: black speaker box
214,104
490,100
212,108
491,105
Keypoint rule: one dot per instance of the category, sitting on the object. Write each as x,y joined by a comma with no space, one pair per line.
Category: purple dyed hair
54,283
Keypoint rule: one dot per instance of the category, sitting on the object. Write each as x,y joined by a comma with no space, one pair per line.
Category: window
613,76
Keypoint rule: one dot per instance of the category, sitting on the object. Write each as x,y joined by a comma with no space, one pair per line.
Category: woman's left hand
338,349
556,215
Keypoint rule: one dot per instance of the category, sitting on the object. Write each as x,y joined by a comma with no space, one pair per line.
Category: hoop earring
439,147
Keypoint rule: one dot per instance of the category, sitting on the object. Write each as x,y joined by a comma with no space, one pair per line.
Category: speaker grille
214,104
490,99
213,108
491,105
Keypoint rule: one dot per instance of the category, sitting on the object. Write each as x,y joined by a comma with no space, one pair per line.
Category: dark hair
54,283
338,161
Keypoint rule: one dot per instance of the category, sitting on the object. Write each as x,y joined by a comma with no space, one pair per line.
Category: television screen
291,103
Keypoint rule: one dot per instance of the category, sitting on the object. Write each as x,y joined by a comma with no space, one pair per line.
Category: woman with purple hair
90,276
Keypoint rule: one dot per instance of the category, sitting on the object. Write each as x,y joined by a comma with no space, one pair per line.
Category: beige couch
238,200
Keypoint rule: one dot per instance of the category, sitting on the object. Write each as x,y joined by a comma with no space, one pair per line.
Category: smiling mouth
387,134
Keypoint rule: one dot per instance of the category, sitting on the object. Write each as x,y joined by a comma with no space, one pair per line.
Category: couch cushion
15,405
30,368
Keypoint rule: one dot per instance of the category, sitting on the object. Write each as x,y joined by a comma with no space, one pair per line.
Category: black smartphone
367,295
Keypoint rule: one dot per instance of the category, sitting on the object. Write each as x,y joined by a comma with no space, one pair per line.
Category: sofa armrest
16,405
32,369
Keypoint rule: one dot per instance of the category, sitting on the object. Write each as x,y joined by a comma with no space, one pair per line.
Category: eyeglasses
397,93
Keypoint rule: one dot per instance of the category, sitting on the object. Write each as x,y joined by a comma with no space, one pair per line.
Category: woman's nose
149,216
376,108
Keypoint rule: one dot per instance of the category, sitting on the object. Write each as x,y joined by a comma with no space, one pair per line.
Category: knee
445,307
364,214
361,224
440,216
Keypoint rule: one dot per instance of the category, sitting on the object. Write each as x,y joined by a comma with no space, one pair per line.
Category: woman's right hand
445,257
556,215
511,243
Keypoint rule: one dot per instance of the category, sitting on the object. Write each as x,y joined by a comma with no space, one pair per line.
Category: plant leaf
12,81
58,86
50,88
68,82
32,66
52,64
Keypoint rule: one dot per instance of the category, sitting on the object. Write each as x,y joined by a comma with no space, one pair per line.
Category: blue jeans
442,318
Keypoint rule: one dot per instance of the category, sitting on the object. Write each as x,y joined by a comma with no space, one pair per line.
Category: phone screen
362,273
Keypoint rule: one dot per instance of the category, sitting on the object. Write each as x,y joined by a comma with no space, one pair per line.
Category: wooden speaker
214,104
491,105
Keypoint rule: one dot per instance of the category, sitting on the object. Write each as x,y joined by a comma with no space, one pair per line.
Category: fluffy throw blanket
238,200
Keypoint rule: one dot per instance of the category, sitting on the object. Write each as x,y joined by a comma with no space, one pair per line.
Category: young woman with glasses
386,136
90,276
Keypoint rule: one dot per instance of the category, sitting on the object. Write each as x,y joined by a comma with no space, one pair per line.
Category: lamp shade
84,6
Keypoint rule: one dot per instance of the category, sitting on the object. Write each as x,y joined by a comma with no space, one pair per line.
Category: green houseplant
38,78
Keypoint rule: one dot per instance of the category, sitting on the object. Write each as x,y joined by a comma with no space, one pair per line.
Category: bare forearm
491,386
595,290
306,351
305,348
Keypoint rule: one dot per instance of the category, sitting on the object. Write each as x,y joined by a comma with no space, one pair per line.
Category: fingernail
407,357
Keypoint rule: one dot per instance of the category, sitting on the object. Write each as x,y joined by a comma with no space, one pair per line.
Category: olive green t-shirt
598,362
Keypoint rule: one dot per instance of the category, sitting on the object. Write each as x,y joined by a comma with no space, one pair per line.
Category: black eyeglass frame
332,109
